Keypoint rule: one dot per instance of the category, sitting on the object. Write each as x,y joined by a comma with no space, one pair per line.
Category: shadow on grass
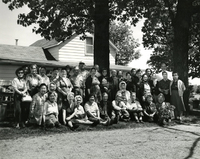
192,149
7,132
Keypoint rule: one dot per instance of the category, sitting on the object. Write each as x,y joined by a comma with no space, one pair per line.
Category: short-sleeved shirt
92,108
19,84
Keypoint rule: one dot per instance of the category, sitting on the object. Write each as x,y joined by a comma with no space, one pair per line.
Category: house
51,54
74,49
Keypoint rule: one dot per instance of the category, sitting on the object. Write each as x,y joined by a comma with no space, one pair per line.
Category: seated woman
92,111
124,92
164,110
119,110
78,116
150,109
68,109
50,115
135,109
37,104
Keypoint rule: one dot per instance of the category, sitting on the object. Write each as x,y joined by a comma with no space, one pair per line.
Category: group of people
73,96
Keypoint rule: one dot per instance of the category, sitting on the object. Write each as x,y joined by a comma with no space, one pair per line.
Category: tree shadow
194,145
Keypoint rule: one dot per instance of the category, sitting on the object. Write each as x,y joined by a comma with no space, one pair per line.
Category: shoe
75,126
137,121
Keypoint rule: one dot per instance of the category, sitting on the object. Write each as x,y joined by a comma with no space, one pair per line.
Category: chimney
16,42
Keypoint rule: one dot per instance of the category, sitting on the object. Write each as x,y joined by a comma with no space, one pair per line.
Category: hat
81,62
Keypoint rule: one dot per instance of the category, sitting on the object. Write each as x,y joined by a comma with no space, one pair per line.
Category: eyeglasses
20,72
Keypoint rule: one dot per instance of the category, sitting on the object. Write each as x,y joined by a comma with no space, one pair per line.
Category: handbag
26,98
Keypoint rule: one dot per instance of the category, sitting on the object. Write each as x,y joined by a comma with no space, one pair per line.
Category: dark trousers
21,109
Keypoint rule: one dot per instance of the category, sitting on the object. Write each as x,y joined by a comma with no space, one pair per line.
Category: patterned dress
37,107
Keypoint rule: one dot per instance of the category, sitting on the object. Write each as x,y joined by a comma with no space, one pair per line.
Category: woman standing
33,80
37,105
177,89
64,87
19,85
144,89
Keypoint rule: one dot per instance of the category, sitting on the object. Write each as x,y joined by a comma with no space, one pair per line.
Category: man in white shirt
163,68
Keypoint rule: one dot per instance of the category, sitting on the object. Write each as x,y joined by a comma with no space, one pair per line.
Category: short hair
50,93
133,69
164,72
43,67
128,73
174,72
33,65
19,69
93,68
43,84
139,70
55,68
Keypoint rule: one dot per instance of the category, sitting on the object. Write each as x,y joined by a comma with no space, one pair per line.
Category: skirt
177,101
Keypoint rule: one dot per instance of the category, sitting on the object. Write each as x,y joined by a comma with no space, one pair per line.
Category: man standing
164,85
164,68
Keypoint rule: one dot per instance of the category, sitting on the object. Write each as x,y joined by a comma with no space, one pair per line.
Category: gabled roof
52,43
45,43
22,53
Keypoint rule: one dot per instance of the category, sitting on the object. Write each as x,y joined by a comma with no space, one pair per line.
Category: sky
10,30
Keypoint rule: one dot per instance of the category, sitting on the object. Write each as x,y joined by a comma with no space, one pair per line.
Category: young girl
150,110
78,116
50,115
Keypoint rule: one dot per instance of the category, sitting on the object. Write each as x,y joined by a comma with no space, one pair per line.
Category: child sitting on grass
51,111
150,110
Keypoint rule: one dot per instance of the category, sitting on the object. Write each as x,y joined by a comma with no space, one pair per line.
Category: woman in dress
33,80
64,87
19,85
177,89
37,105
51,111
68,108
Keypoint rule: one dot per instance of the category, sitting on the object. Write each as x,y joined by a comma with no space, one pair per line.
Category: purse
26,98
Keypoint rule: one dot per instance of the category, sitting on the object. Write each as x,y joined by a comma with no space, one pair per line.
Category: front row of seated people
44,108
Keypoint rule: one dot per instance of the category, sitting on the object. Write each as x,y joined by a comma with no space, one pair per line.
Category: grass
8,132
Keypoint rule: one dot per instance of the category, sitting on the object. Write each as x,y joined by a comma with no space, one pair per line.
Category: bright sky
10,30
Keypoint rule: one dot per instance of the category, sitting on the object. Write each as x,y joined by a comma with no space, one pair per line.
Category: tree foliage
159,34
122,36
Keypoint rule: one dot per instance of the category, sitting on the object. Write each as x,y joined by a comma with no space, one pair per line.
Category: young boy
150,109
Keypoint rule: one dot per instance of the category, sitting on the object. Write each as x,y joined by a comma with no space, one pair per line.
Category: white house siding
7,72
74,51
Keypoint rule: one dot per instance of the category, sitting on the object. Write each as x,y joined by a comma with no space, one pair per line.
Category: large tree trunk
181,39
101,34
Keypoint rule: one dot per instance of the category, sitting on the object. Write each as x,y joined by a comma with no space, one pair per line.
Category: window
89,46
